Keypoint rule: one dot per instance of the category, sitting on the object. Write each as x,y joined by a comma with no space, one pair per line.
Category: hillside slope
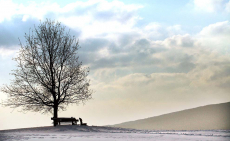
202,118
99,133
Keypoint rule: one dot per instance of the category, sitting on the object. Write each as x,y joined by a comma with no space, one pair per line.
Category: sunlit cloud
6,53
211,5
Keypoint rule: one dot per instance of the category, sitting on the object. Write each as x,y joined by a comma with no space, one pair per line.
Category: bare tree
49,75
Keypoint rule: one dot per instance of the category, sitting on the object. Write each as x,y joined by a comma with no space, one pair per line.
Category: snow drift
95,133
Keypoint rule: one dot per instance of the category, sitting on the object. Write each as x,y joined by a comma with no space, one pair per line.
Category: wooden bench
59,120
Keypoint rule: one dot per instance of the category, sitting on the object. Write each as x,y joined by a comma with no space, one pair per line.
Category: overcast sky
146,58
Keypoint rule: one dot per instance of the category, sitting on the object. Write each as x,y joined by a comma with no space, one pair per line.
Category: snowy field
94,133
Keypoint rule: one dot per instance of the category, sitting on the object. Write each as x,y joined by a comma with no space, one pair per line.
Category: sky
146,58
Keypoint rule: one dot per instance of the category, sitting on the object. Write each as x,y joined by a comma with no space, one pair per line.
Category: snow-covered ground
97,133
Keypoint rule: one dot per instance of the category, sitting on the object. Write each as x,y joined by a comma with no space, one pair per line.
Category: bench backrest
64,119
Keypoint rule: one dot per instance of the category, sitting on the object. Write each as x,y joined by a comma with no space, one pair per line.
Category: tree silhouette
49,75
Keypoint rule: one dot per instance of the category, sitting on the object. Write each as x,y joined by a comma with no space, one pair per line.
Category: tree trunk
55,115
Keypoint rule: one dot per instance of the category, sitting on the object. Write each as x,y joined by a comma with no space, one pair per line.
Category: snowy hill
202,118
96,133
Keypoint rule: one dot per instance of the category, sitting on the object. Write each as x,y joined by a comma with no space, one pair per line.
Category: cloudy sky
146,58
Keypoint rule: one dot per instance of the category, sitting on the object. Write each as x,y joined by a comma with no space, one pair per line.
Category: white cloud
190,68
7,9
6,53
102,18
216,37
159,31
217,29
180,41
94,18
211,5
104,52
228,7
